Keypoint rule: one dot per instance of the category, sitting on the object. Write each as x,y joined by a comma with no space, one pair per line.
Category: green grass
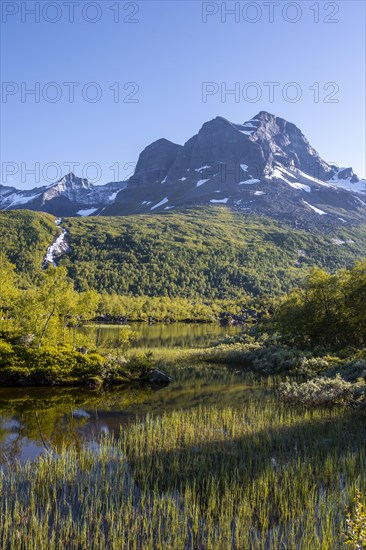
266,476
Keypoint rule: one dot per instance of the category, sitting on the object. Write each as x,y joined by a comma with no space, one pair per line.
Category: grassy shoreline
261,356
269,476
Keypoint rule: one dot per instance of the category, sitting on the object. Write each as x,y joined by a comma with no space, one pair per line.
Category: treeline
328,311
164,309
52,305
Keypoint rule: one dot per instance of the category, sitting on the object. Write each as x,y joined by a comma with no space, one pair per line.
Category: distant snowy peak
67,197
70,181
68,186
87,197
15,198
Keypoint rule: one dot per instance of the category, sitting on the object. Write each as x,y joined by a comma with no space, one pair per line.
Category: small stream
57,249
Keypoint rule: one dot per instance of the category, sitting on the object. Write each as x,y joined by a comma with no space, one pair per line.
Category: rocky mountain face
263,166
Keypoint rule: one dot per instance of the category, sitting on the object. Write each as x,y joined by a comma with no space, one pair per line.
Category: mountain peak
263,166
70,181
154,162
264,115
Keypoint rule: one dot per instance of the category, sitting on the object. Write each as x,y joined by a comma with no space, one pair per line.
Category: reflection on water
31,417
69,416
182,335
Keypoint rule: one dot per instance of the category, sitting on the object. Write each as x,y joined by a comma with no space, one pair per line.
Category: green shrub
329,310
6,351
355,532
49,365
324,391
350,370
276,359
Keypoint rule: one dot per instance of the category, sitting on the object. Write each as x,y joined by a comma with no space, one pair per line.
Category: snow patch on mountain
164,201
348,182
300,186
113,196
201,182
202,168
86,212
299,173
278,174
249,181
17,199
317,210
359,200
223,201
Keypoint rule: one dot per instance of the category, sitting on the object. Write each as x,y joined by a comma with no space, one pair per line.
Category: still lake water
33,417
174,335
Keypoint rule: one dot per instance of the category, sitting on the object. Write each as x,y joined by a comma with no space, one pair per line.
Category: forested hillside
24,239
209,253
206,253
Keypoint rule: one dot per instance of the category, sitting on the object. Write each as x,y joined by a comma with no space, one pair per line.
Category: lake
31,417
174,335
214,460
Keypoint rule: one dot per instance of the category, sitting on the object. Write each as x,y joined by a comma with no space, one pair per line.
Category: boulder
157,377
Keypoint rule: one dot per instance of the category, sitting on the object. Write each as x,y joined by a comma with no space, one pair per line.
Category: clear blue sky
169,52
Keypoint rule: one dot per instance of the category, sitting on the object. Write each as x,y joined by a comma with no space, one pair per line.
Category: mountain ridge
264,166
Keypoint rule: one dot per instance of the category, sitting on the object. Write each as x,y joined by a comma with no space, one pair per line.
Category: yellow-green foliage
55,365
203,253
200,254
355,533
329,310
8,282
141,308
45,313
25,237
41,342
47,365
